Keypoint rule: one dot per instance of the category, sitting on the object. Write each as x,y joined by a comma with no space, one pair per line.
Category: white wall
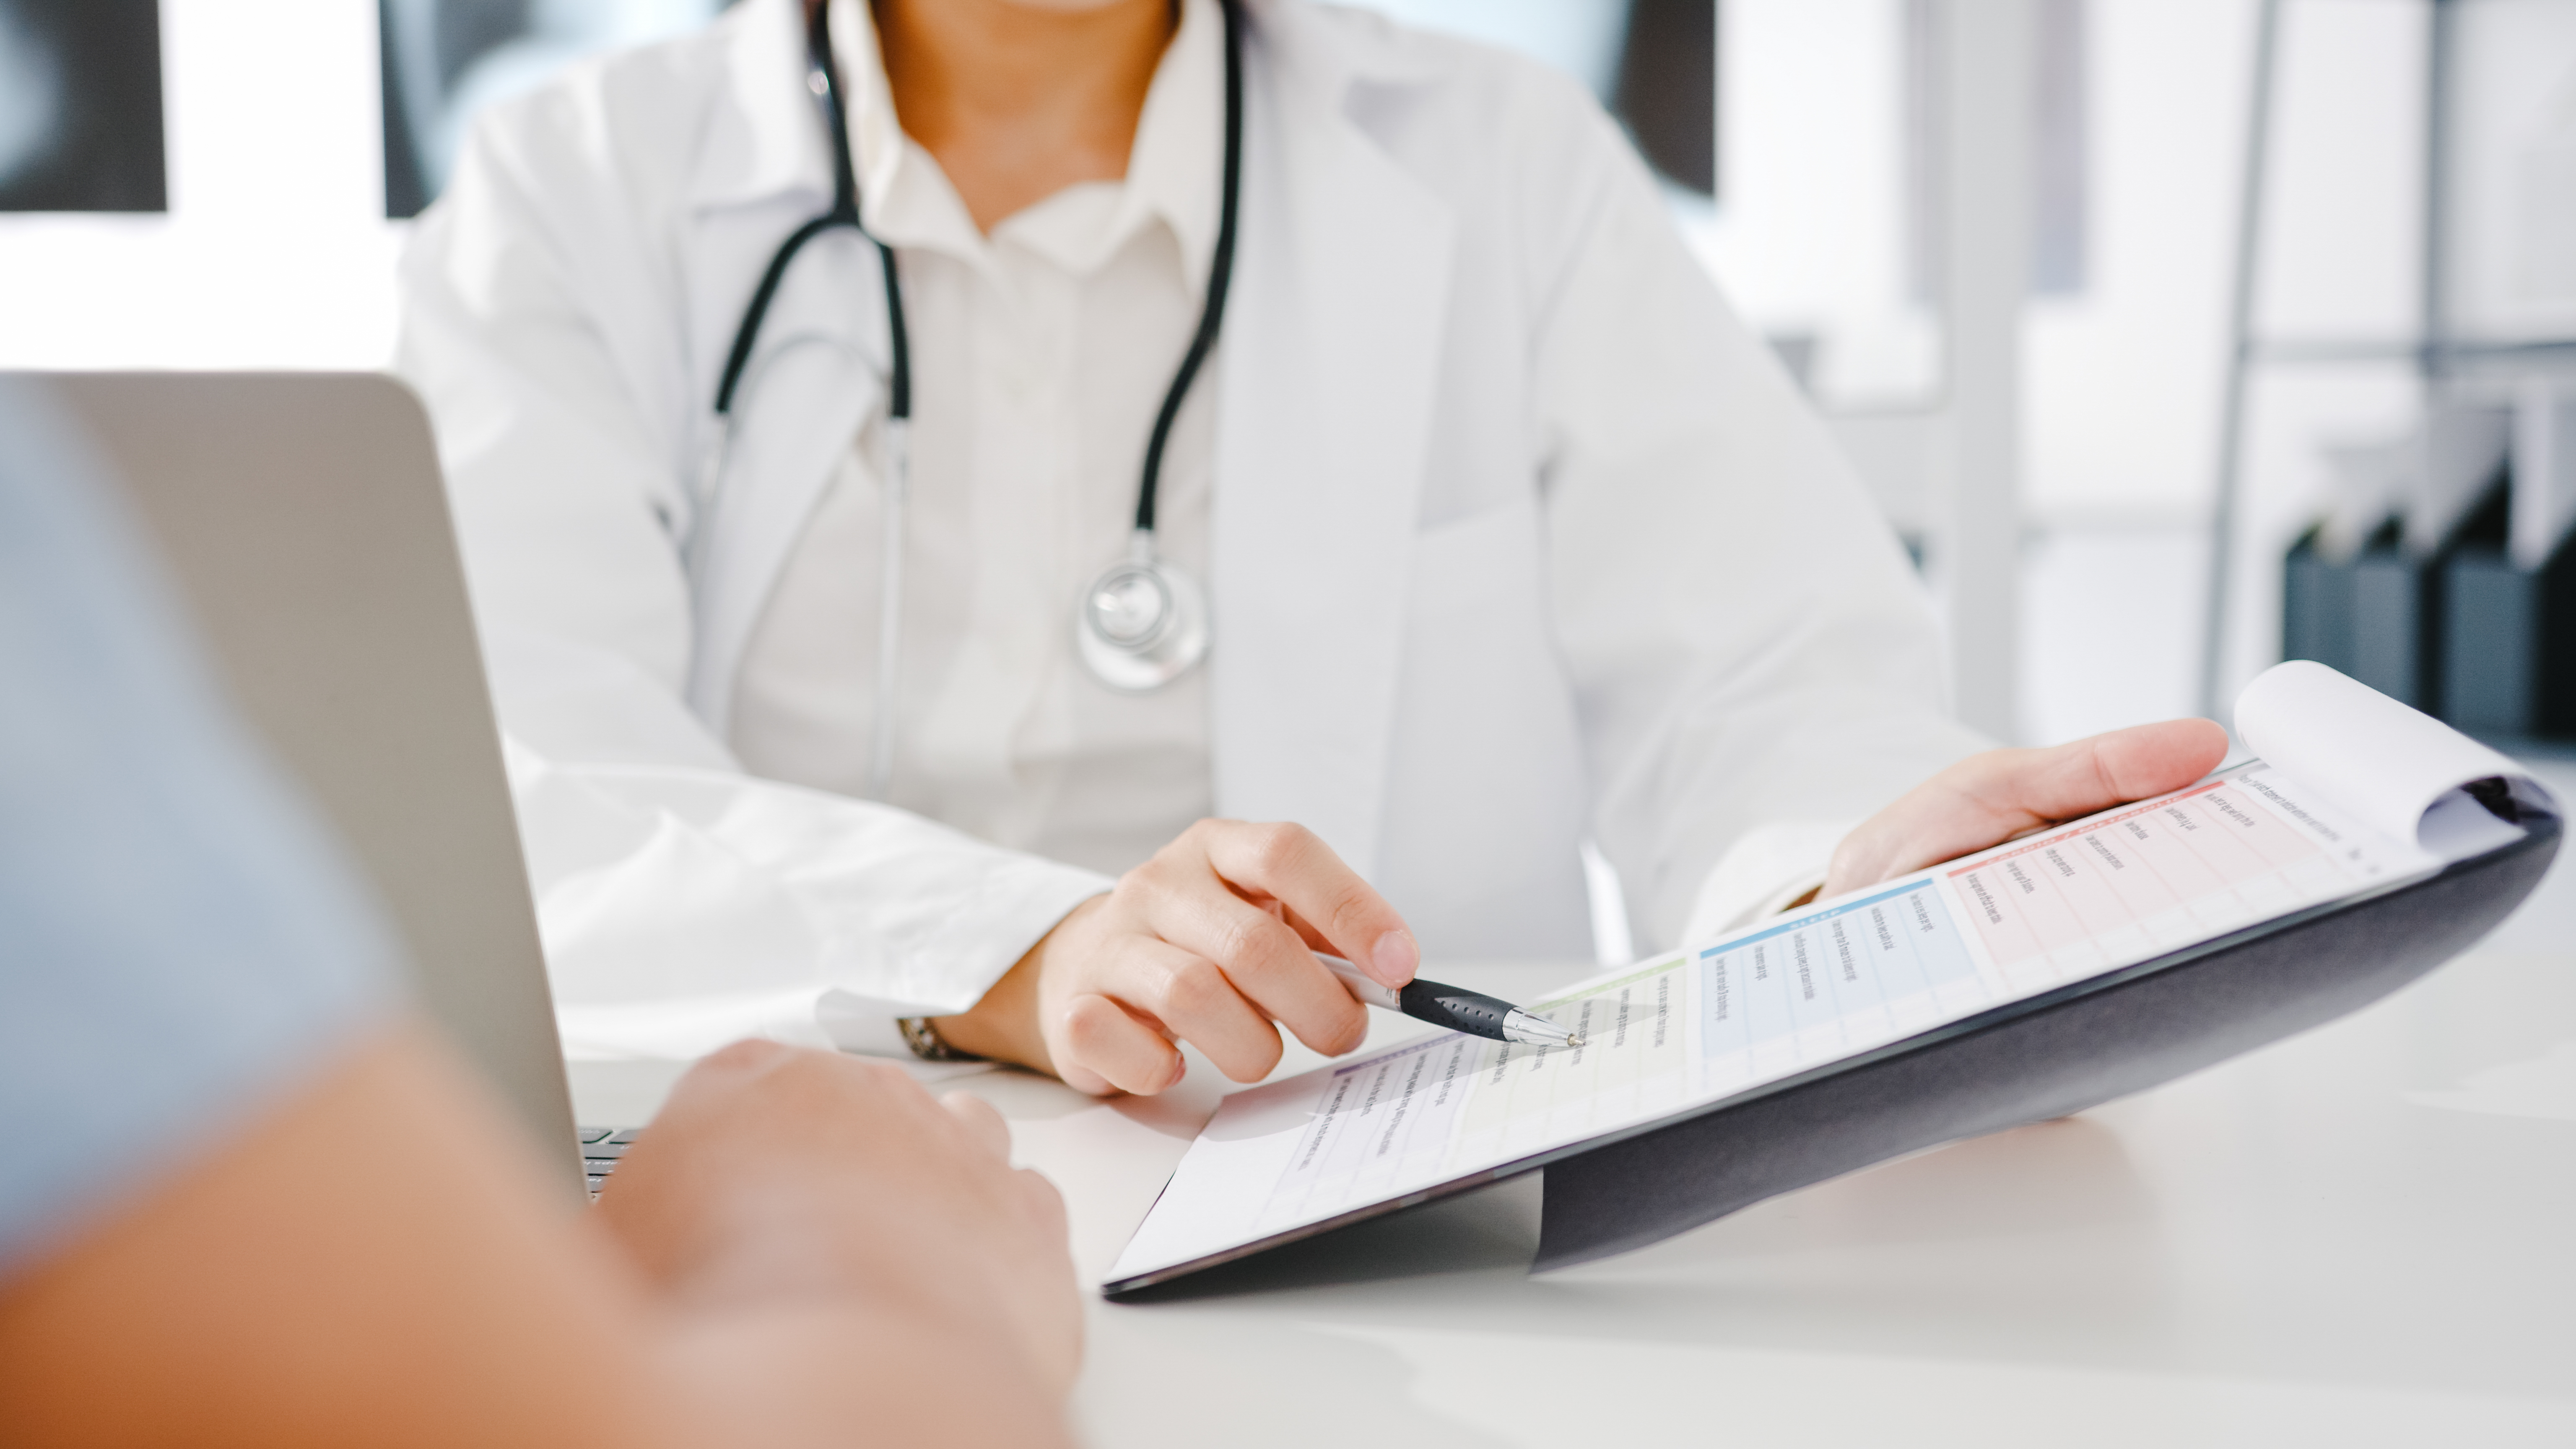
274,252
2514,261
2124,378
1809,236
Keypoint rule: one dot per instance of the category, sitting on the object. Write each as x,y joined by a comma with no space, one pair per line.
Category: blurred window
444,60
80,106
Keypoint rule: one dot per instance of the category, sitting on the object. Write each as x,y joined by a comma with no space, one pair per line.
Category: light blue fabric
178,944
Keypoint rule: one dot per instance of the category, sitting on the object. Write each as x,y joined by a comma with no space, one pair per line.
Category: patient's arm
379,1261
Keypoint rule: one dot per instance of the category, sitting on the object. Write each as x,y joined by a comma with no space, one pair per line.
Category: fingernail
1395,958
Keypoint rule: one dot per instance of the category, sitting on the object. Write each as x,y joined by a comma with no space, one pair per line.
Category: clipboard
2032,1061
2438,843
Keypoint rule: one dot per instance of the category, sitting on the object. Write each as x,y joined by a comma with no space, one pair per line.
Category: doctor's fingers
1196,1000
1294,865
1105,1048
1259,956
1988,798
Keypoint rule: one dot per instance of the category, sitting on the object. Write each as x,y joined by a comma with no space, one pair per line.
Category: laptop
303,518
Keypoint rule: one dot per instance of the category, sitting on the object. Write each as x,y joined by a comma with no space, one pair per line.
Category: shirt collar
1174,170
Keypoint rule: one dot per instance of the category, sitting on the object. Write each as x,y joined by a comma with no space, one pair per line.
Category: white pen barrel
1360,984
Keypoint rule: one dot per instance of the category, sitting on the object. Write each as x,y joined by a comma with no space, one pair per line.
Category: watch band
927,1044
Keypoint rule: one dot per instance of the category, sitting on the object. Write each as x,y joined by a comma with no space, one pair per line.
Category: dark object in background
80,106
456,32
2509,644
2316,608
2376,616
444,60
1667,89
2461,633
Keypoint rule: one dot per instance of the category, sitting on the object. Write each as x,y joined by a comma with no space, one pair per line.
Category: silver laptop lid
303,517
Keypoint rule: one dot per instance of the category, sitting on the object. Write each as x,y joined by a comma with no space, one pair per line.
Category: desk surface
2365,1235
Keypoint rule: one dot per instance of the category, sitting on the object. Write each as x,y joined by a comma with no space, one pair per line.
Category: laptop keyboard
600,1149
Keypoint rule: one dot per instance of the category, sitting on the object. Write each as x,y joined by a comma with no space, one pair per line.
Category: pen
1454,1007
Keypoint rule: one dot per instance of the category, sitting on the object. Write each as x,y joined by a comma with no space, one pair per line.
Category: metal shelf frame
2436,351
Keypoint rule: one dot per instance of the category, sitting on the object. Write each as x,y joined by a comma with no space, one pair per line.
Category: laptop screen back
303,519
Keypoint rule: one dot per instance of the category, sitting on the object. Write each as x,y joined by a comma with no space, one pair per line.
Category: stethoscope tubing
1150,668
1220,273
823,79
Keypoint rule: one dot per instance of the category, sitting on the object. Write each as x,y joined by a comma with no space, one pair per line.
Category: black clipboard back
2033,1061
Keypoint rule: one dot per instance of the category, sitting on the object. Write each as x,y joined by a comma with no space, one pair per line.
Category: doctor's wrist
1004,1025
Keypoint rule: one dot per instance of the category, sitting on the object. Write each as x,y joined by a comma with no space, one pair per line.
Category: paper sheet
2389,764
1699,1025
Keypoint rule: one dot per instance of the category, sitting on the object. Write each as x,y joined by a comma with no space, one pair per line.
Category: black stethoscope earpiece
1143,622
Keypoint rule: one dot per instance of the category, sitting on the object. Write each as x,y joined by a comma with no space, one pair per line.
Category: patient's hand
777,1174
1210,942
1990,798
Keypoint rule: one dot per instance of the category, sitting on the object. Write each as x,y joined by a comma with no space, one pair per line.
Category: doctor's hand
1211,942
1990,798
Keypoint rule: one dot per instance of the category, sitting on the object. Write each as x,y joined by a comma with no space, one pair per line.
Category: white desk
2301,1247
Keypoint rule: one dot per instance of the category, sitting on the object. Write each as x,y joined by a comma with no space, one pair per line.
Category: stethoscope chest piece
1142,623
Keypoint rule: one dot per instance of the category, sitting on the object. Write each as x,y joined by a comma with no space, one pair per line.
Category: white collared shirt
1523,536
1040,356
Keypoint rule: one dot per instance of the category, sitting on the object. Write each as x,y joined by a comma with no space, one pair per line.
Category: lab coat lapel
815,375
1331,350
800,409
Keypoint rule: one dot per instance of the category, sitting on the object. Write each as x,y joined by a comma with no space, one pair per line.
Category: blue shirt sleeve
179,944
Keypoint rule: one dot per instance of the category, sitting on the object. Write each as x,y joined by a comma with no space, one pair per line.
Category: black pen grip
1454,1007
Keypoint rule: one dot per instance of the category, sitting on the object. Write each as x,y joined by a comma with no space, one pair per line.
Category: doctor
1224,416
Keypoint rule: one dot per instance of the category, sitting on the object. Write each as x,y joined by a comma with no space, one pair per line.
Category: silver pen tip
1532,1029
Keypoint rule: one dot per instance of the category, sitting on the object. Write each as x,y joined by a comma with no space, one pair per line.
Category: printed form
1702,1024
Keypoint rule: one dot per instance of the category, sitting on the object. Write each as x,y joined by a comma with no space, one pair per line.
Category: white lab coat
1518,536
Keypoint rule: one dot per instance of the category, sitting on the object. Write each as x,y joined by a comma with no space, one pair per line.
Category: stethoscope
1143,622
